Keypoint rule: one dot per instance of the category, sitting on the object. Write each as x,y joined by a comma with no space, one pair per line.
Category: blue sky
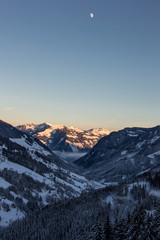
58,65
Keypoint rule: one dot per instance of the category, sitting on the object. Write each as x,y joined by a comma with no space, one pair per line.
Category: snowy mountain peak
63,138
99,131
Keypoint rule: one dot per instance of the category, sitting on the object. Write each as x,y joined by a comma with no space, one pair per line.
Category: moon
91,15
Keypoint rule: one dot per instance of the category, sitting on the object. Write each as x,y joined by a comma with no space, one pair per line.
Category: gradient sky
58,65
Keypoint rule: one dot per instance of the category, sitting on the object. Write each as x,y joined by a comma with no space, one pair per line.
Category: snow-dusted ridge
123,154
29,171
65,139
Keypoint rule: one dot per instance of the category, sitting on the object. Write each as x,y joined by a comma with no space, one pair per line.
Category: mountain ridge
64,139
122,154
32,175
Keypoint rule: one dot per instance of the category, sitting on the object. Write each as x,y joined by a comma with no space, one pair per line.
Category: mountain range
31,175
122,154
34,178
67,142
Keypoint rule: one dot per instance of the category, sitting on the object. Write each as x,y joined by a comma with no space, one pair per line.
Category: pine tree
108,231
120,230
156,224
81,235
137,225
98,230
149,233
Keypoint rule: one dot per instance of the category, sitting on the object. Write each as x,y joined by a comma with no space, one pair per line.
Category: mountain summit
60,138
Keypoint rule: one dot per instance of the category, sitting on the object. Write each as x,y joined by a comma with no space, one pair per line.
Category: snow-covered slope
60,138
31,175
123,154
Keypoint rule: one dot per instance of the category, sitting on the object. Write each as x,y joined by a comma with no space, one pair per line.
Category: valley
96,194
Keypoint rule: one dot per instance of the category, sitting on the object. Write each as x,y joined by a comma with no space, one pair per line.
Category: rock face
31,174
122,154
64,139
